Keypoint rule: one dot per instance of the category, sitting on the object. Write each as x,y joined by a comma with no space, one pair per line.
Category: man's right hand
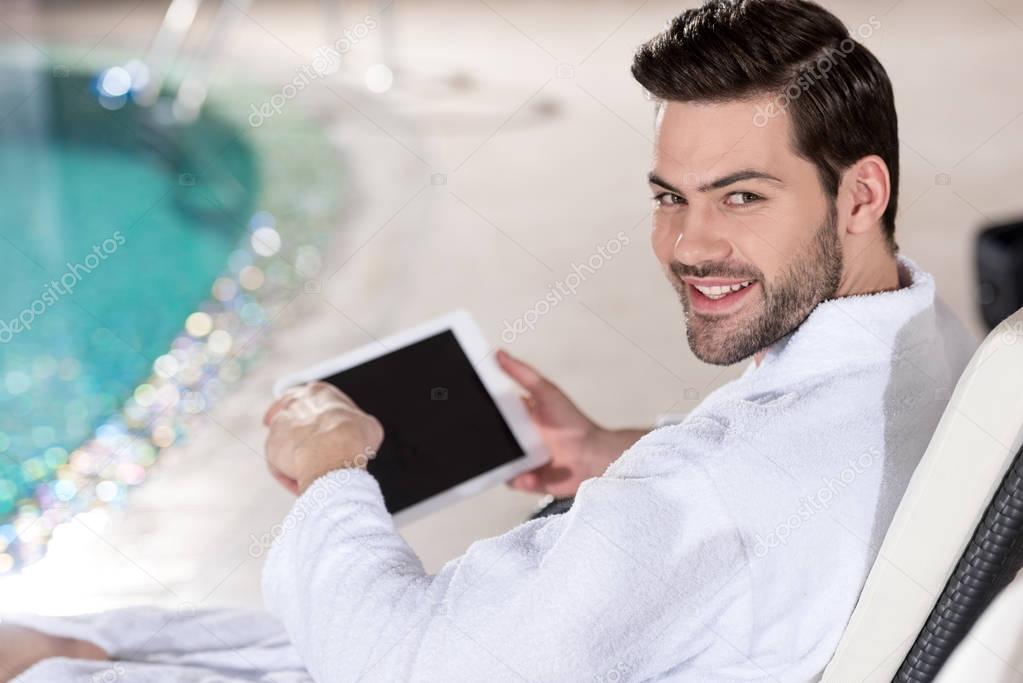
579,448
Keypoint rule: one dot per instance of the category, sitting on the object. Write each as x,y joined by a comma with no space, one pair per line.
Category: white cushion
974,444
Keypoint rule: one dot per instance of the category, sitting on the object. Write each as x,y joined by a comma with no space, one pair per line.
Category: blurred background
200,198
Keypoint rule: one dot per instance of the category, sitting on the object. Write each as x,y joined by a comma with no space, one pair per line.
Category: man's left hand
316,429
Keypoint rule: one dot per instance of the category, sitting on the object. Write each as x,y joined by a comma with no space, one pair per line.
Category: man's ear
869,188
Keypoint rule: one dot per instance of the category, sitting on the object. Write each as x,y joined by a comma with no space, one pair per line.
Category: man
730,546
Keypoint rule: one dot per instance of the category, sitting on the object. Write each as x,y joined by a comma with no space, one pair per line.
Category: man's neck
877,274
872,275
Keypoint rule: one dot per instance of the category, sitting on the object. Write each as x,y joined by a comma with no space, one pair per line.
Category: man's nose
702,238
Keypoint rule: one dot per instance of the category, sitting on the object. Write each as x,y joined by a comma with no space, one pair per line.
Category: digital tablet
453,422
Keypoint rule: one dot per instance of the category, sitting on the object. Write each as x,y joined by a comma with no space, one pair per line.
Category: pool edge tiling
278,255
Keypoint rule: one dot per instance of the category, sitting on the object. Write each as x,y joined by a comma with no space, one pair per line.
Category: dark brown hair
838,95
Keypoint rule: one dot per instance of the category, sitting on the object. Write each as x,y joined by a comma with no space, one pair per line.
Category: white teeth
718,291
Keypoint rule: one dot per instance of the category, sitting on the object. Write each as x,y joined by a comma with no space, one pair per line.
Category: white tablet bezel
501,388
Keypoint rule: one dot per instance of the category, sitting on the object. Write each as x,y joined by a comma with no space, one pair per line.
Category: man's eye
668,199
742,198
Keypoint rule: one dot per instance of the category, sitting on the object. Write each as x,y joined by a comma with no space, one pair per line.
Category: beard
811,277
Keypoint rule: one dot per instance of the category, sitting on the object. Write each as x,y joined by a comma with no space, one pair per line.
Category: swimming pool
134,258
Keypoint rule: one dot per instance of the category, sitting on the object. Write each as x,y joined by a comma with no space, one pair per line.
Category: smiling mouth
715,292
719,298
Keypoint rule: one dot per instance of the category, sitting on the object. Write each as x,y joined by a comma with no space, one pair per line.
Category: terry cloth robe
731,546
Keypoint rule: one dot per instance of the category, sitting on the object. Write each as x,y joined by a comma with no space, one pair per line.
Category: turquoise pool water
113,228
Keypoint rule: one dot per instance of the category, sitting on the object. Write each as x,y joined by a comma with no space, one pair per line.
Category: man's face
742,227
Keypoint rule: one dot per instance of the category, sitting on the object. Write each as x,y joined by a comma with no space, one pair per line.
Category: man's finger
327,388
286,399
521,372
530,403
274,408
527,481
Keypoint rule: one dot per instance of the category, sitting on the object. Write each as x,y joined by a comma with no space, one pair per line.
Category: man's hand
22,648
579,448
316,429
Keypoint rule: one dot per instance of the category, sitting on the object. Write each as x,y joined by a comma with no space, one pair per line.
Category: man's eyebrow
744,174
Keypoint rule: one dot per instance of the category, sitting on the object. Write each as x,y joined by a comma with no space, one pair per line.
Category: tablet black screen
441,427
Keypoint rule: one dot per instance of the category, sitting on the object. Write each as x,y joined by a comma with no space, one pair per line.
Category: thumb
527,481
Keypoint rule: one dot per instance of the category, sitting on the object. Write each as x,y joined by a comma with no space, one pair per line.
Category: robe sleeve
640,576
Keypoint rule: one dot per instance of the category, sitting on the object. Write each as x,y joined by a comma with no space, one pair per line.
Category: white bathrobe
731,546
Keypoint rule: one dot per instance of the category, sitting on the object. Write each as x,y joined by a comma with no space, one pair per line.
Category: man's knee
22,648
82,649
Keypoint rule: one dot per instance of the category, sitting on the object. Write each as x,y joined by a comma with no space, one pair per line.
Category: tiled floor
513,144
